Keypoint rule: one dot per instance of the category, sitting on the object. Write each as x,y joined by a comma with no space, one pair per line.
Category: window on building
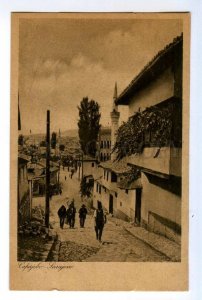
101,144
108,144
91,182
97,187
113,177
101,157
120,203
104,156
92,165
126,191
116,195
100,189
104,173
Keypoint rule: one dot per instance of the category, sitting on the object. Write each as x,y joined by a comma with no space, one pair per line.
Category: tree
53,140
20,140
156,122
88,124
86,187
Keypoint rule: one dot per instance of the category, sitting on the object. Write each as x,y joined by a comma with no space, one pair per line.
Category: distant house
116,189
157,91
37,174
116,184
85,166
24,206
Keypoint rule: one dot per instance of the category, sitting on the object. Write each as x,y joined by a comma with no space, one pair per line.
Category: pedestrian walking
71,213
72,173
62,215
100,219
82,215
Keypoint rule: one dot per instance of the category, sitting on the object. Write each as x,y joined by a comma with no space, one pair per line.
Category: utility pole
47,170
82,166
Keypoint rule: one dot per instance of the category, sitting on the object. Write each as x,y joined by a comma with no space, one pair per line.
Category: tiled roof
118,167
104,185
42,163
85,158
127,185
161,61
34,176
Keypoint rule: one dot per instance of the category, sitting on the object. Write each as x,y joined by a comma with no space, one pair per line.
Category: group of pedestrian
70,213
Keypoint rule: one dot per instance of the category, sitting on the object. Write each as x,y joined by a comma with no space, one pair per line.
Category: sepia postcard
99,151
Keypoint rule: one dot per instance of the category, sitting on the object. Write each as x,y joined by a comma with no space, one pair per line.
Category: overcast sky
63,60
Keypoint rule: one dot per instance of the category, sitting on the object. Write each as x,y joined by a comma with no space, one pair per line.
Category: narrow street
80,244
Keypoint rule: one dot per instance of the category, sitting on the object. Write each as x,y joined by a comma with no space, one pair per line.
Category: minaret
115,114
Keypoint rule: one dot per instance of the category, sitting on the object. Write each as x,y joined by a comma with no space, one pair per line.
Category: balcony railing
165,160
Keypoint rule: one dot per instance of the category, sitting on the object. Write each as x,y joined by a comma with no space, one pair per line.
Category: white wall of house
106,179
123,202
126,204
157,91
107,188
161,202
89,168
96,195
103,196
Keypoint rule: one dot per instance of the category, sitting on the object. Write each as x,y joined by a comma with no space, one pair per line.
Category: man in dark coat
71,212
100,220
82,215
62,215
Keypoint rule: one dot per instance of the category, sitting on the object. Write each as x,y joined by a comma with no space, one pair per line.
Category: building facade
114,186
116,193
157,92
105,144
24,206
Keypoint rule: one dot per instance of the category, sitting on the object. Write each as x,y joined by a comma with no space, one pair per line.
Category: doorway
138,206
110,204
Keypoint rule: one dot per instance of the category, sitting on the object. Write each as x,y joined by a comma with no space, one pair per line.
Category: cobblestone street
80,244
